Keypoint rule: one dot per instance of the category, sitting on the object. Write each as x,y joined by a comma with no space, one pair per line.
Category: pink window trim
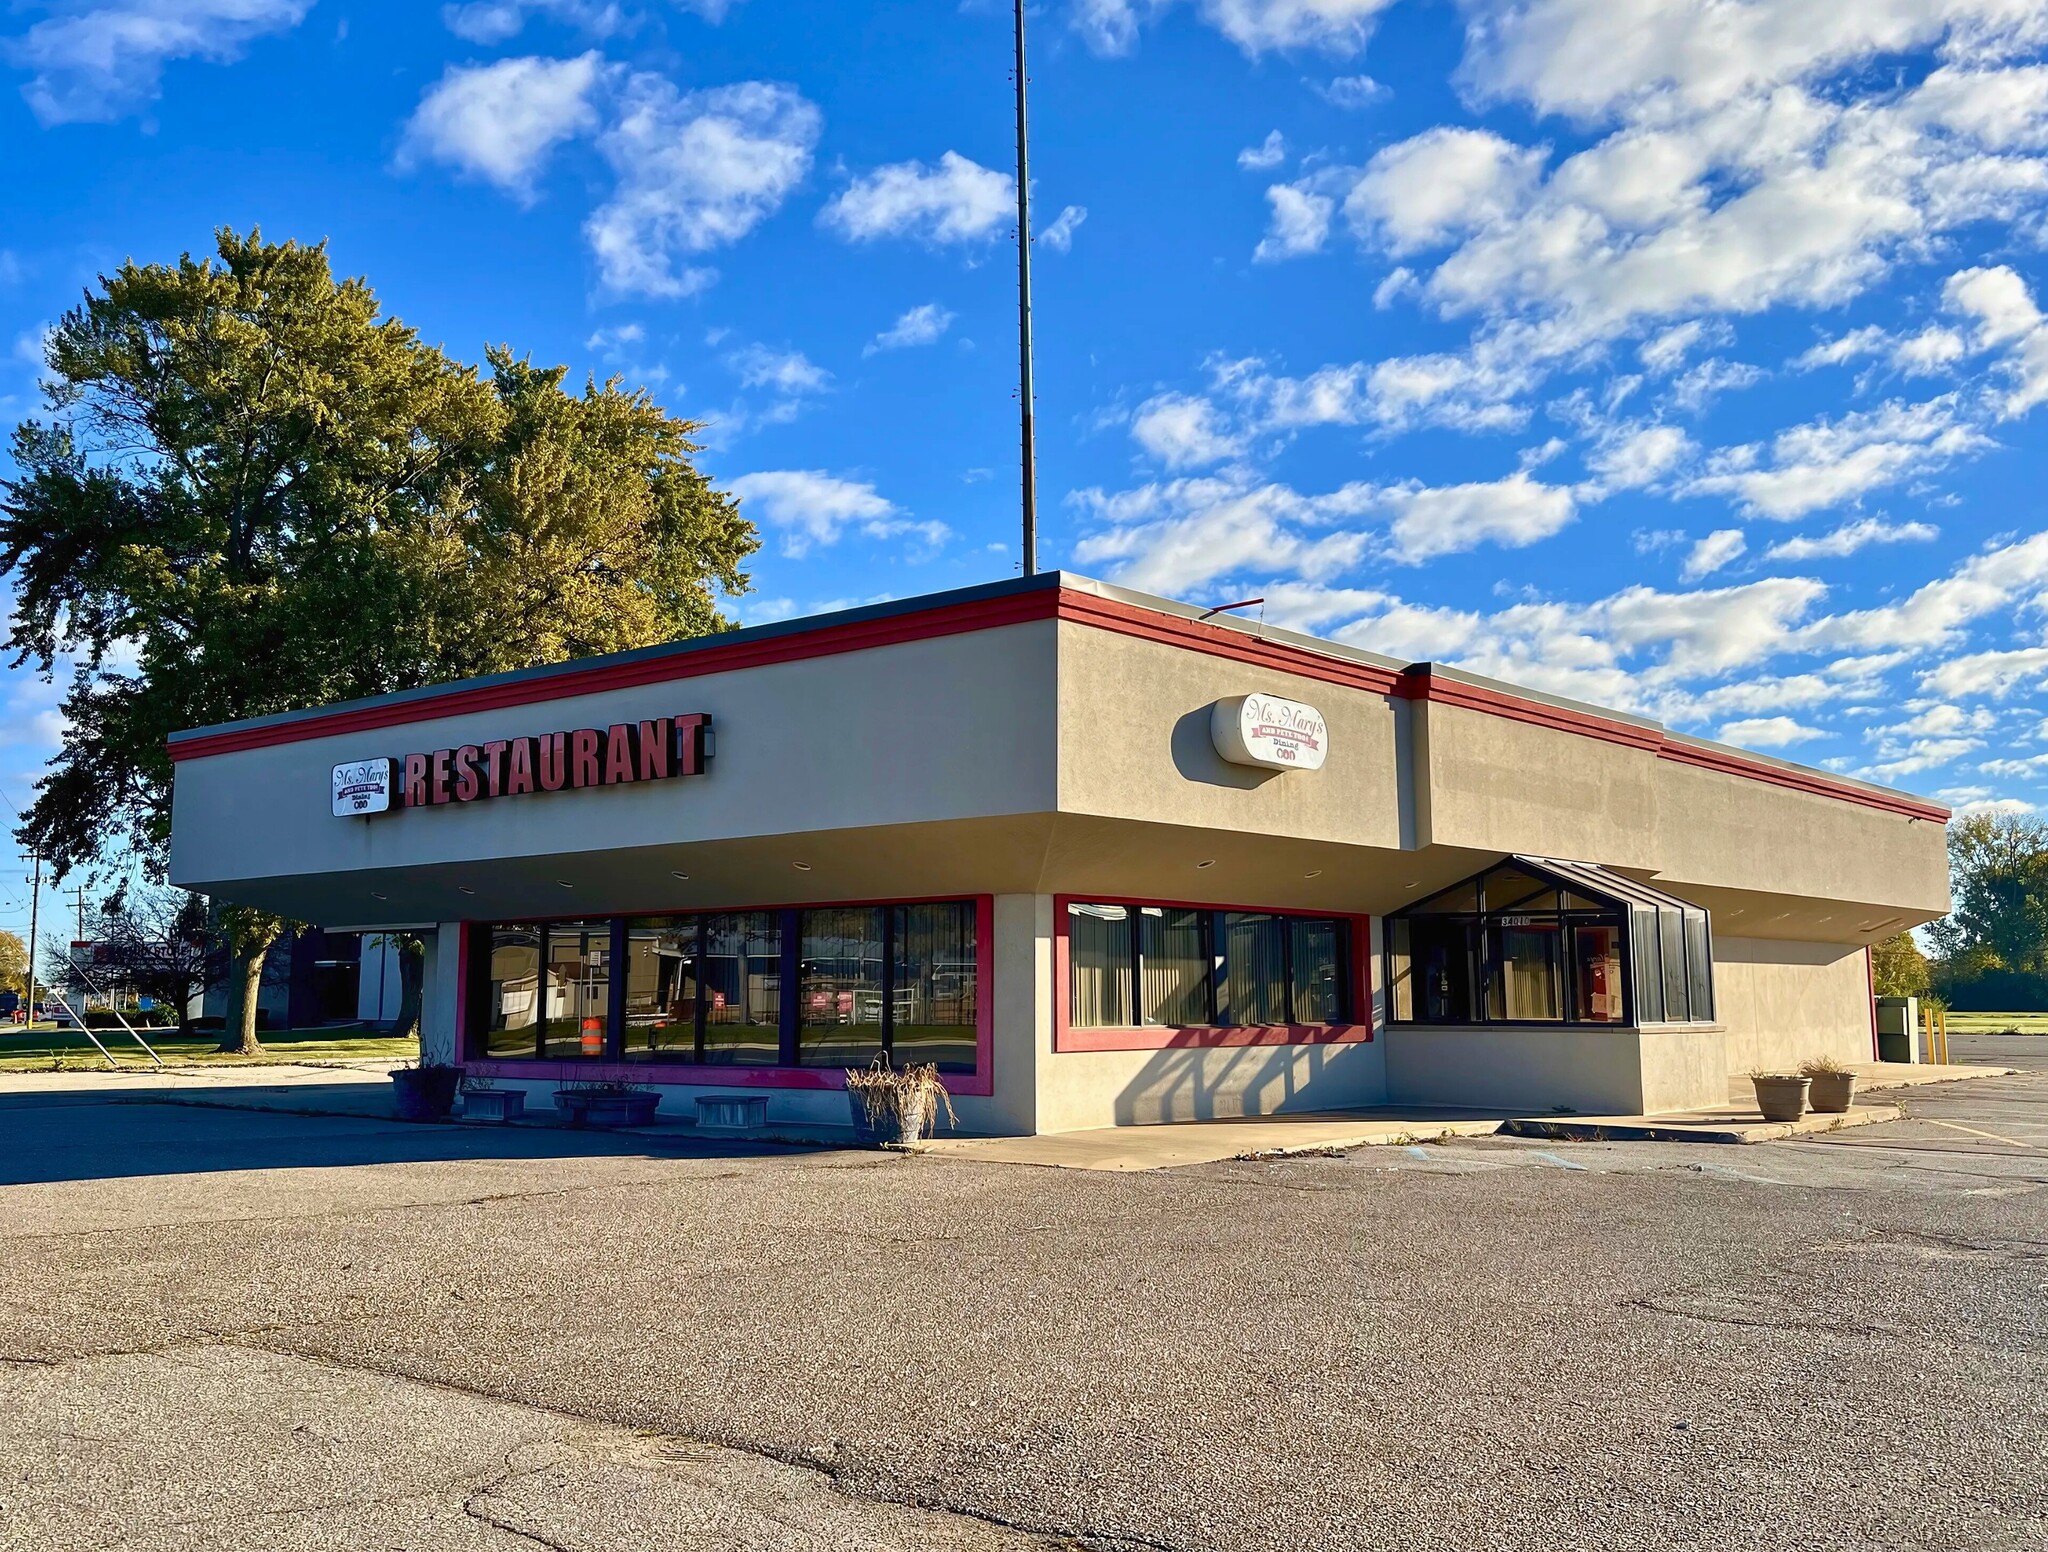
979,1084
1159,1037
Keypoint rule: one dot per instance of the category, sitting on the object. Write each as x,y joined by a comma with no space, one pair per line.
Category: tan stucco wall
1498,785
1082,1089
1782,1002
1134,743
1581,1071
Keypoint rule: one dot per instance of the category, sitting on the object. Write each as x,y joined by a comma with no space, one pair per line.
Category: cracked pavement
237,1329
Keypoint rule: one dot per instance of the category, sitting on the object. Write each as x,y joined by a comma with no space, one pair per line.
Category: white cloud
1850,538
1059,234
493,21
1827,463
1352,92
1300,223
1638,457
696,171
1996,673
1255,26
1270,152
1176,537
957,201
498,122
1446,520
1718,549
95,62
1441,184
1183,432
1768,732
809,506
784,371
922,325
2006,318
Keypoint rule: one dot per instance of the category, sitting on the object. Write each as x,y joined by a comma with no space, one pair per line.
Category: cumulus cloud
1448,519
1849,538
1183,431
93,63
498,122
810,507
922,325
1058,234
1256,26
1270,152
1720,548
1828,463
956,201
1768,732
1438,185
1300,222
696,171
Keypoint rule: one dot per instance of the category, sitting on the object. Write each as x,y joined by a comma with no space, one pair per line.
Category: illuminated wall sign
362,787
1267,731
616,756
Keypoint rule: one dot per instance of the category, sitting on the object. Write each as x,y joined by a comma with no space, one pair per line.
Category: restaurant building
1102,859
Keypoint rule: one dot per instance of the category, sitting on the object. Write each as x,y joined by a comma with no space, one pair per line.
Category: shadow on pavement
137,1130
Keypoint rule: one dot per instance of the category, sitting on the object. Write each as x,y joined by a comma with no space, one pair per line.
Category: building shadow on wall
1212,1083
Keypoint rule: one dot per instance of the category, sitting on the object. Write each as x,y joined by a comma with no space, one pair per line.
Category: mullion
888,980
697,926
615,992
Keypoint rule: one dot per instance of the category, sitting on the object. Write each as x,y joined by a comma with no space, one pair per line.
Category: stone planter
1781,1096
494,1104
628,1107
1832,1092
425,1093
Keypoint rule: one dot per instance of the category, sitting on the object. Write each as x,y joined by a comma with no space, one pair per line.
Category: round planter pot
425,1093
1781,1099
1832,1092
901,1125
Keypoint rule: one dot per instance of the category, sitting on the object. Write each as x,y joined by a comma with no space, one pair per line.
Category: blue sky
1683,357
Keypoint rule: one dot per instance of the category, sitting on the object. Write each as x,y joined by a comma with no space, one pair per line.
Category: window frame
1354,943
1625,903
473,972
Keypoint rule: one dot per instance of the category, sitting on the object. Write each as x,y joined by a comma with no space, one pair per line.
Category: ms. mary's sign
1267,731
622,754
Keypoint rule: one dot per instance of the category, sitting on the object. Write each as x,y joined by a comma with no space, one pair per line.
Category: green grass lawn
1998,1023
46,1048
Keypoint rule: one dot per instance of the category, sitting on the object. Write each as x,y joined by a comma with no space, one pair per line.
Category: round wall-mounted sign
1267,731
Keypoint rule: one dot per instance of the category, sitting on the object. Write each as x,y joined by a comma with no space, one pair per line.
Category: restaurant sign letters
1267,731
616,756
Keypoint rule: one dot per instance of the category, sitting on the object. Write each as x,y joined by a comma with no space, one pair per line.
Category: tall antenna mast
1030,455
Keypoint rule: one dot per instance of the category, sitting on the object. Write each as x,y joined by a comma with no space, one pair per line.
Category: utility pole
1024,313
80,891
35,901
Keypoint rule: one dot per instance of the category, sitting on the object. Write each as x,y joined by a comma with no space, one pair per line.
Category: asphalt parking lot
224,1328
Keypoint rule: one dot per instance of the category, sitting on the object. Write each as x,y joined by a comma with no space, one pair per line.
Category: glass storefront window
839,986
933,987
1317,975
1252,988
578,990
511,1004
1596,973
710,988
1174,977
1530,960
743,988
1101,963
661,989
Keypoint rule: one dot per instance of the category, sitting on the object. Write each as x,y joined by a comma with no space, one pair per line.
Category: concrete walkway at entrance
1280,1136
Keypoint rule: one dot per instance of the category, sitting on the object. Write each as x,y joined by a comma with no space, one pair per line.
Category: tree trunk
412,972
239,1033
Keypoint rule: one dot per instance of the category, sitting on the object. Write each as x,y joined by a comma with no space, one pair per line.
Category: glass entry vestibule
1537,940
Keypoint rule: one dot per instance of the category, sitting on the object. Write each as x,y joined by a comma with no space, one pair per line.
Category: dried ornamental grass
887,1092
1819,1066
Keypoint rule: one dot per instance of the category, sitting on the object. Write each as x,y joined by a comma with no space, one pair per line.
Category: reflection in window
511,1021
579,990
933,990
839,993
1252,988
1101,962
1174,984
1186,966
661,989
743,988
1538,940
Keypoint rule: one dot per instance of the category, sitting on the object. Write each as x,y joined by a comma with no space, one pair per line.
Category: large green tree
1998,874
253,491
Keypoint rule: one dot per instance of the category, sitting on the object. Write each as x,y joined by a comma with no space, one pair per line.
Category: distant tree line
1990,953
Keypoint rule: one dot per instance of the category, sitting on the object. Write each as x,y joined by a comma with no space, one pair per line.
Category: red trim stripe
1073,607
